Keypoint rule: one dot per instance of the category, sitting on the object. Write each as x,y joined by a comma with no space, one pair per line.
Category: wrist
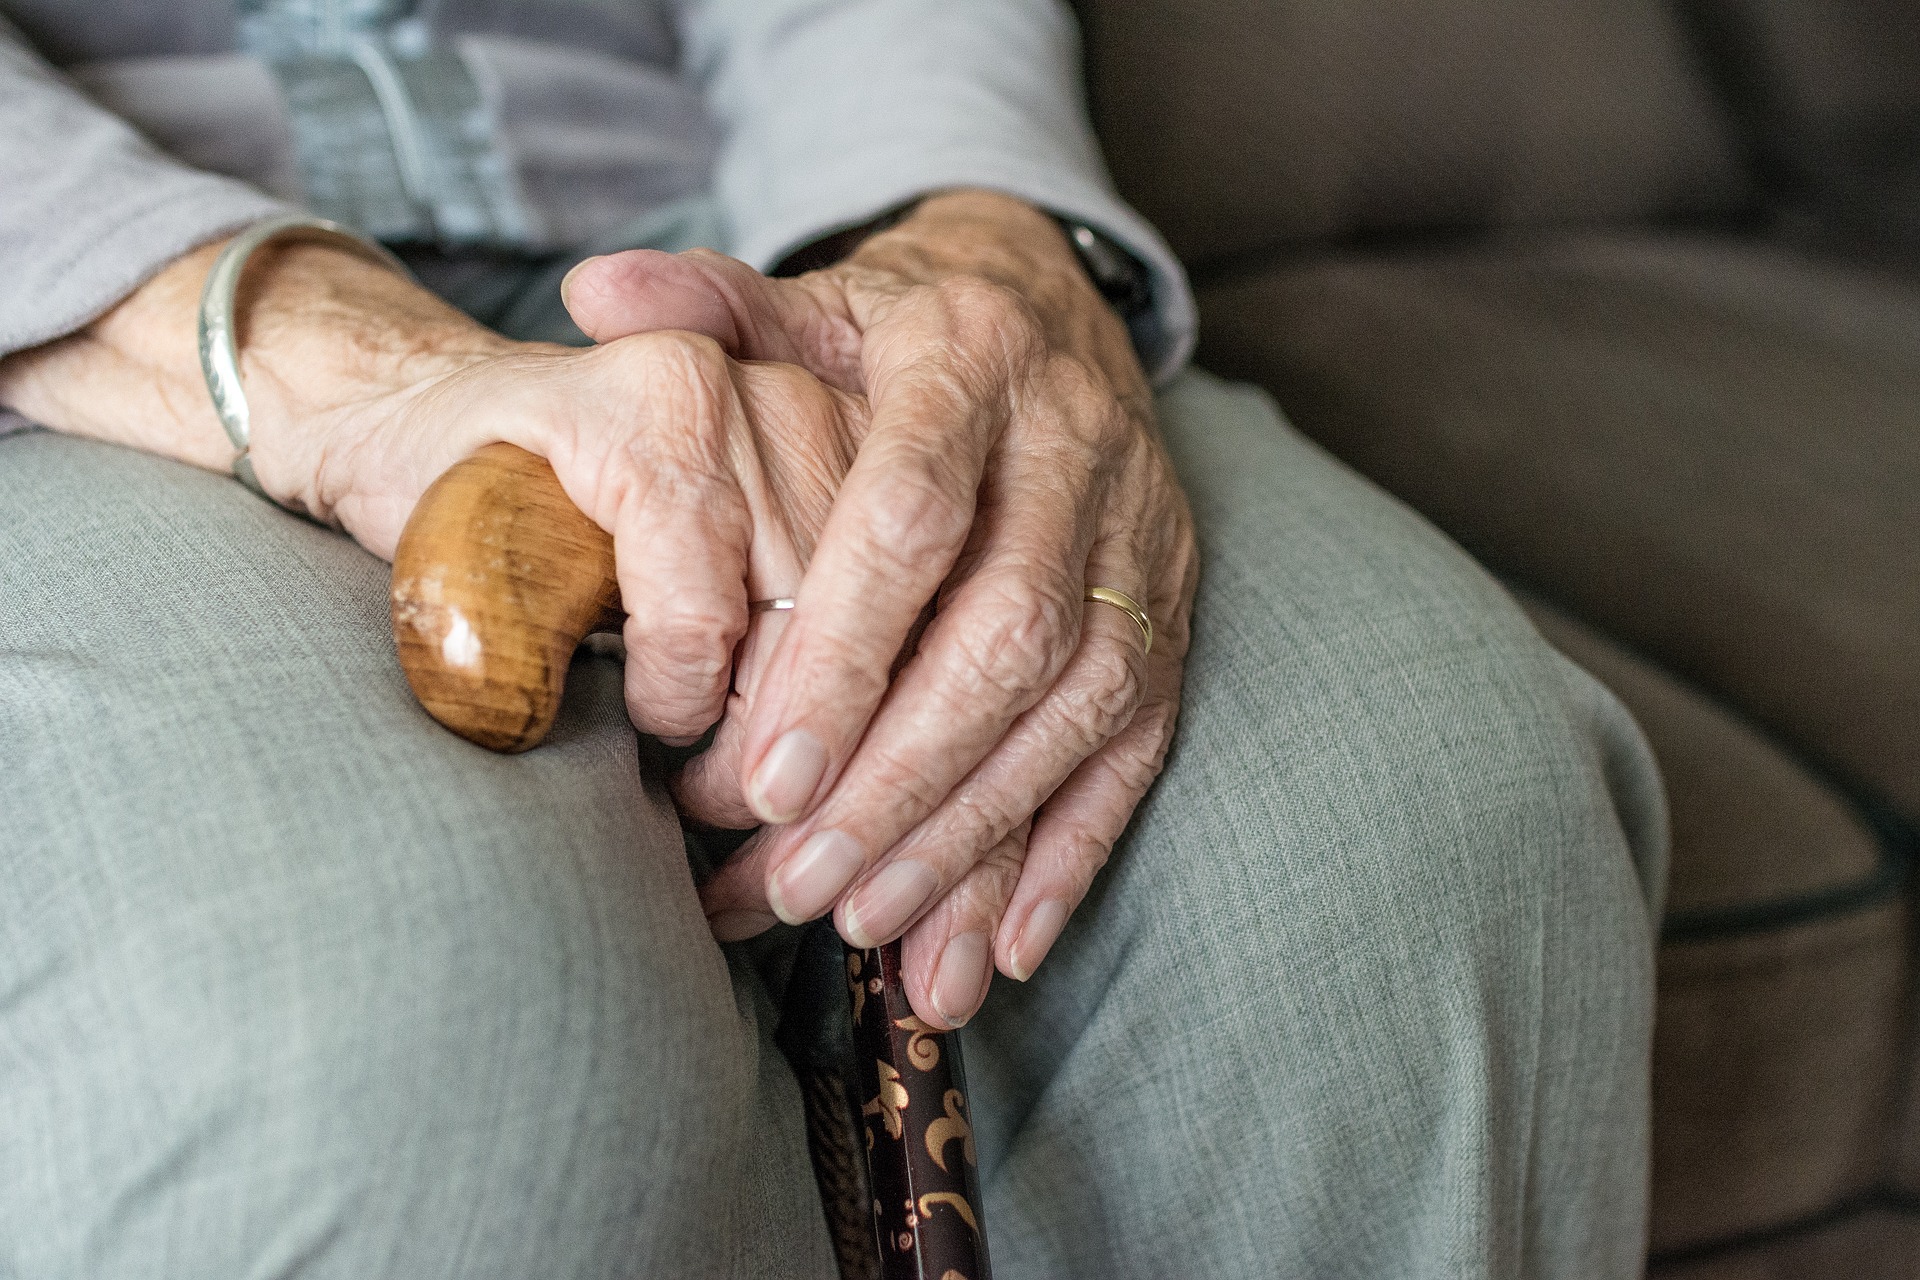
321,333
331,347
1009,242
986,234
328,345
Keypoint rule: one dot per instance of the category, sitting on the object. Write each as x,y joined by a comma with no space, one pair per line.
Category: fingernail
732,926
787,777
1037,937
807,883
566,281
957,982
885,903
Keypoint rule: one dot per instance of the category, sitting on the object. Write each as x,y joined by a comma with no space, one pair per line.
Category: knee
486,994
1402,777
1371,721
535,973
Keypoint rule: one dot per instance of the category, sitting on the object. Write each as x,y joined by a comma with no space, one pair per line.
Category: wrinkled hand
1011,460
712,475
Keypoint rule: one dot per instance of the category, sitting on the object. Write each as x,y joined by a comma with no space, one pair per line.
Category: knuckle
1135,764
679,361
1112,689
978,304
1005,861
693,646
973,295
1082,852
905,782
922,518
989,883
695,351
664,706
1017,648
980,822
650,715
1074,380
1106,424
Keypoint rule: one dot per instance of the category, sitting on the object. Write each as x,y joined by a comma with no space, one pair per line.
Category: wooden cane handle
497,579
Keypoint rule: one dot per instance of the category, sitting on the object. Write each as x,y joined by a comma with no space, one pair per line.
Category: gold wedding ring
1127,605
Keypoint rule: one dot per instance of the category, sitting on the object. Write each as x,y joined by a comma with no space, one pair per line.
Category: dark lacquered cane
922,1168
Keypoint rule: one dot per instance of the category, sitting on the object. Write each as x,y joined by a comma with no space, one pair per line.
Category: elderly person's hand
713,475
1012,463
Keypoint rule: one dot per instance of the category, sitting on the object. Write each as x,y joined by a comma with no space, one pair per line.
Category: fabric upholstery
1829,93
1237,125
1707,447
1780,1018
1880,1243
1826,84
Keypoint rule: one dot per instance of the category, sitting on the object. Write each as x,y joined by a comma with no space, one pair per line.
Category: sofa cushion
1827,86
1712,449
1830,94
1236,125
1874,1244
1778,1032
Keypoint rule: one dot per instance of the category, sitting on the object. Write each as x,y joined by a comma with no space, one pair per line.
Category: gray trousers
295,983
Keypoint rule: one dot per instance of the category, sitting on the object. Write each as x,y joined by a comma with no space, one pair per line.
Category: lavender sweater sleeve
88,208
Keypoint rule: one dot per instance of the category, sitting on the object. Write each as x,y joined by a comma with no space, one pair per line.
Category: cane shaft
921,1161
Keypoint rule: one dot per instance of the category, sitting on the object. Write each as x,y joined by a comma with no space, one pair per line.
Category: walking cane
497,579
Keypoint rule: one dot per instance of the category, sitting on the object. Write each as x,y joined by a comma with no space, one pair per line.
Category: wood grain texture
497,579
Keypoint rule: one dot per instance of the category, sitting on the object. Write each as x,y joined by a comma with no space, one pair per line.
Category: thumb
752,316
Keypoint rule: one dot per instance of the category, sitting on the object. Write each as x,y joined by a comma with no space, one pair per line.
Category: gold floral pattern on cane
855,987
953,1126
923,1051
889,1103
954,1198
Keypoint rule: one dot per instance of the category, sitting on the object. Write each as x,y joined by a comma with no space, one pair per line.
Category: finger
1075,832
1094,699
895,531
681,528
734,906
751,315
801,443
734,898
708,788
947,958
1003,635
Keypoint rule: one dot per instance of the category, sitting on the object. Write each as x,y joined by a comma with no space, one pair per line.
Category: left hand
1012,461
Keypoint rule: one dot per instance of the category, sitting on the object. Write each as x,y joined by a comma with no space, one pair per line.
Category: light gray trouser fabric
292,982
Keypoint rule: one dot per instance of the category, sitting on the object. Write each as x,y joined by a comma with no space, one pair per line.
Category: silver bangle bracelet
219,351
